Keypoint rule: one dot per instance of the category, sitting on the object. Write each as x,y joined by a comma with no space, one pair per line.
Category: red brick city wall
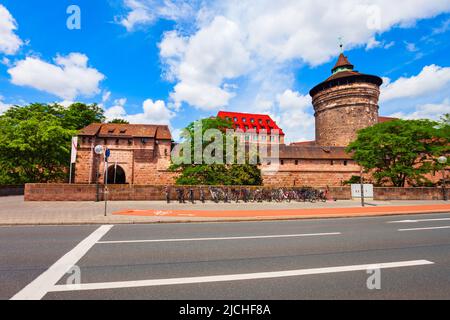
67,192
304,178
385,194
74,192
8,190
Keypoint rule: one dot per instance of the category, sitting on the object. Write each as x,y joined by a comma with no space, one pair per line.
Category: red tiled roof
316,152
386,119
102,130
249,121
304,143
344,76
343,62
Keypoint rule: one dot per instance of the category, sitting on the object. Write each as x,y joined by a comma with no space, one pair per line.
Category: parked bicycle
252,195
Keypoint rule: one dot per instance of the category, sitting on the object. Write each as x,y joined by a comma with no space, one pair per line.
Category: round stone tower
345,103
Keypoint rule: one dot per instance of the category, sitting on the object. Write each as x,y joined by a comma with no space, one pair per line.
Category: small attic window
111,130
123,131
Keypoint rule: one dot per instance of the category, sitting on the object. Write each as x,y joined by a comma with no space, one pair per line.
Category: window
117,141
272,138
244,119
246,127
332,162
345,163
296,162
252,120
123,131
235,119
260,121
282,162
255,137
268,121
130,142
264,138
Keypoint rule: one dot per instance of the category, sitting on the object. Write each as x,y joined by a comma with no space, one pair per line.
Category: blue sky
174,61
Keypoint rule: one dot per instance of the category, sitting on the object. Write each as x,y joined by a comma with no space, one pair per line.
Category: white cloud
106,96
431,79
68,78
427,111
10,43
145,12
236,39
66,103
3,106
154,112
373,43
445,26
411,47
293,116
291,100
204,62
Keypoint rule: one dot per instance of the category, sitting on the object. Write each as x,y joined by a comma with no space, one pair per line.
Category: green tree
214,174
35,140
119,121
79,115
400,151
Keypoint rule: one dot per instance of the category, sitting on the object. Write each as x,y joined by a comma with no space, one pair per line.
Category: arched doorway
116,175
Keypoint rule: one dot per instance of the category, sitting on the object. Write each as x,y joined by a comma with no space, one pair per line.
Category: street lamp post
98,151
362,188
443,160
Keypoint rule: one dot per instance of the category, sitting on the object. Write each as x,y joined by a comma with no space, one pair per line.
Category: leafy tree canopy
401,151
35,140
214,174
119,121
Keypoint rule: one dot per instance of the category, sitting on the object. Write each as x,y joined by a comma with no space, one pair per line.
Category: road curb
223,220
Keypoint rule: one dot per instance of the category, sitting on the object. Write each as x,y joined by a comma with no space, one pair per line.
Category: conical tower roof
342,63
343,72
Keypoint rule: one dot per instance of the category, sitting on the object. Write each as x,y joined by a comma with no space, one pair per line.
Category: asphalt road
308,259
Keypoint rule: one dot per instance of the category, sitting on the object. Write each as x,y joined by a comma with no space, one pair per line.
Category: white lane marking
225,238
421,229
422,220
235,277
43,284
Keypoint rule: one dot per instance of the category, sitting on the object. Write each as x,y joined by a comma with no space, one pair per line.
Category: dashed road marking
223,238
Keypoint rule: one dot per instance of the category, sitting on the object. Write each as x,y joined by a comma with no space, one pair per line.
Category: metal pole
444,189
106,188
115,172
70,173
362,188
97,174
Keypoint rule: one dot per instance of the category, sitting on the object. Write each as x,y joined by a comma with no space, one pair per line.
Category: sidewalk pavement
15,211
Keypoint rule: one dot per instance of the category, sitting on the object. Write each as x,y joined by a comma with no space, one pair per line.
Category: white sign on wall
356,191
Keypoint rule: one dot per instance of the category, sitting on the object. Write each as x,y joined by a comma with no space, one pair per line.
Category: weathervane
341,44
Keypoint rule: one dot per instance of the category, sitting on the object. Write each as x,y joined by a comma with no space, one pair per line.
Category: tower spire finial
341,44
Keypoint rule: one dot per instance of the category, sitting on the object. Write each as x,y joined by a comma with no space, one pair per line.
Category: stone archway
116,175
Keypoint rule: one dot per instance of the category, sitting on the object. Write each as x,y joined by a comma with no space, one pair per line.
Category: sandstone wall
67,192
343,110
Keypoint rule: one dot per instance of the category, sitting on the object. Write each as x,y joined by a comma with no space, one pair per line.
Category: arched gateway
116,175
